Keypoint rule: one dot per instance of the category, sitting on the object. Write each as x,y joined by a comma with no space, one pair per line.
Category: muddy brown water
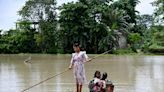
136,73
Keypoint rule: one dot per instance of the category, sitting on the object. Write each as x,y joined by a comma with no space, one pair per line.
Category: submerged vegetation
98,25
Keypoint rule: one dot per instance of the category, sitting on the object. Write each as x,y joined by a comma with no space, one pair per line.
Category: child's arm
104,84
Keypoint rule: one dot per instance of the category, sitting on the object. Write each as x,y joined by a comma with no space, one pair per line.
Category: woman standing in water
77,63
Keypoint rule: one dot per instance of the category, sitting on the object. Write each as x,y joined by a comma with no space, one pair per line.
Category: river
129,73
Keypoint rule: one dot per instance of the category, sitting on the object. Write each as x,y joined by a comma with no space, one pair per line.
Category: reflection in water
149,75
8,78
129,73
58,78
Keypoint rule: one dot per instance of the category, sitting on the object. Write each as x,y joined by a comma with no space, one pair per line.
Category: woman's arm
87,59
70,66
71,63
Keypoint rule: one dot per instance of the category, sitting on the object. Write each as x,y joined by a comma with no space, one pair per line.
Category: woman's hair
104,76
82,49
97,74
76,45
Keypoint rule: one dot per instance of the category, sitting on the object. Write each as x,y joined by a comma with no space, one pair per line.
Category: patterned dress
78,60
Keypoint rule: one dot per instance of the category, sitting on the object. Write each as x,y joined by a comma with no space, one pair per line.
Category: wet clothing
99,87
103,82
77,61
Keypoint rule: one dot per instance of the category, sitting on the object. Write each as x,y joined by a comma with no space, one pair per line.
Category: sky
9,10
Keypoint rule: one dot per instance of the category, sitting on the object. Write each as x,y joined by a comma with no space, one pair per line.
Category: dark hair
97,74
104,76
82,49
76,45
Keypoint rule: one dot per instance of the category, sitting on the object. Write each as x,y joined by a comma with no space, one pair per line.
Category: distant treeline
98,25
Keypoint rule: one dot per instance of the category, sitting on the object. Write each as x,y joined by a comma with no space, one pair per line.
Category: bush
134,39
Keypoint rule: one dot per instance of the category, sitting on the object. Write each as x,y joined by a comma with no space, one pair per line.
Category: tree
129,7
116,25
16,41
48,35
73,24
159,11
97,25
145,20
35,10
91,28
44,12
135,40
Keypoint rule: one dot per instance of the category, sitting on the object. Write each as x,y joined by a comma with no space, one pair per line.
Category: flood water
129,73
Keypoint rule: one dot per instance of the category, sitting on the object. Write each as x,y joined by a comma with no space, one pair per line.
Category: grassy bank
152,51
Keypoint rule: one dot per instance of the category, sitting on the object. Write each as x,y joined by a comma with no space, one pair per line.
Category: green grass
123,51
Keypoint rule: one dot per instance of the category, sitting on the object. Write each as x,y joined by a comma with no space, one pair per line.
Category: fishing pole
61,72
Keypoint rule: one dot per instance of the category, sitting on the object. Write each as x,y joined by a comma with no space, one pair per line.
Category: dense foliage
98,25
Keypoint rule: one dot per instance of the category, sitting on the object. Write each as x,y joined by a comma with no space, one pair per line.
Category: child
107,85
94,85
103,82
97,77
77,62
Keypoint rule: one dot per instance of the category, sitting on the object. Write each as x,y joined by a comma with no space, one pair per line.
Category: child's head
97,74
104,76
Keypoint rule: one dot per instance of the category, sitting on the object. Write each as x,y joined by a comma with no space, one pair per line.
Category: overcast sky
9,8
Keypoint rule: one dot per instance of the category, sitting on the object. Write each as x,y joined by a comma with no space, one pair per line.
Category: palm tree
129,7
115,21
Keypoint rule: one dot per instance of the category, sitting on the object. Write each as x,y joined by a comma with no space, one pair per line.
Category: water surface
128,73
